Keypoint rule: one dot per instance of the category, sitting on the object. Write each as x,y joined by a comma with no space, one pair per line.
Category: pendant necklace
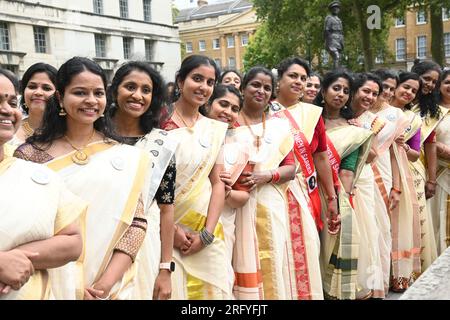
80,157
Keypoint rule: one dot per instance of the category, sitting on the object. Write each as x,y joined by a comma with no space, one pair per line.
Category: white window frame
445,14
6,36
231,65
396,49
447,44
216,44
417,46
149,49
201,45
189,47
244,36
397,25
229,45
100,45
425,16
127,51
147,8
40,36
124,9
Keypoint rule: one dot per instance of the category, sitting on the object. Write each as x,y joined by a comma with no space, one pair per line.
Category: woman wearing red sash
310,149
348,148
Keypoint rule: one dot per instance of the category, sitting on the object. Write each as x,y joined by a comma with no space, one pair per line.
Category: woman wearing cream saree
224,105
310,151
137,93
405,220
37,234
202,269
424,170
374,258
260,255
75,142
348,148
440,203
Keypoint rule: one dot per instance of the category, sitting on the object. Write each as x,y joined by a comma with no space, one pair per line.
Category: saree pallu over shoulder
429,124
340,253
259,258
196,155
160,148
395,125
118,173
49,209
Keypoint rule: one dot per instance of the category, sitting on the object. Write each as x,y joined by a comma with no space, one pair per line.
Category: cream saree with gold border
340,253
418,168
112,183
205,274
440,203
260,254
160,148
48,209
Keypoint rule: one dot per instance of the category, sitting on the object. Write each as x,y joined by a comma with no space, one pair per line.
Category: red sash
335,162
302,151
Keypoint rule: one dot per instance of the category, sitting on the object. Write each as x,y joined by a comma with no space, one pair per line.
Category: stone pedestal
434,284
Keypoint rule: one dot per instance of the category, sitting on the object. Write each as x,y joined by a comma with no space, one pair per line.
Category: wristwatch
167,266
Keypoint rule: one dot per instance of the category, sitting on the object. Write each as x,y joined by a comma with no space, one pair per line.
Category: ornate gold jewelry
80,157
62,112
257,138
27,129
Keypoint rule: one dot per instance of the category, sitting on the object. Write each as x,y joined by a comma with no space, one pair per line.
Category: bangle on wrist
332,198
108,297
275,176
350,194
206,237
396,190
432,182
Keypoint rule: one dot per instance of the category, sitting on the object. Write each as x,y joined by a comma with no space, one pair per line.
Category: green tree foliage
295,27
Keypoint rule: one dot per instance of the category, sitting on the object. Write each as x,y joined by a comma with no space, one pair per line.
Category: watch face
172,266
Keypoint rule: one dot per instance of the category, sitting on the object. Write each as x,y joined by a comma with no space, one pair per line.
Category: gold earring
62,112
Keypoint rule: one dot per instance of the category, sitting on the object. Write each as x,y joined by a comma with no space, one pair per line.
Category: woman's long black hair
428,104
54,126
346,112
150,119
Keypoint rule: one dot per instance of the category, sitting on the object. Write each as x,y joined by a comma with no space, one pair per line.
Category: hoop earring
62,112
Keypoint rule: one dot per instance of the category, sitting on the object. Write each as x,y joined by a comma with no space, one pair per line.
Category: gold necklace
27,129
258,138
80,157
184,122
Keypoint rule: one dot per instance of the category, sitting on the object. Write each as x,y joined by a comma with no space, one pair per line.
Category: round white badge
40,177
268,139
231,156
204,141
391,117
118,163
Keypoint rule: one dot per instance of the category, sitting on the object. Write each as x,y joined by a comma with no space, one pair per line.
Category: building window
231,63
445,14
421,47
244,40
216,44
421,17
149,50
127,43
202,45
188,47
40,41
400,49
4,37
447,44
98,6
400,22
100,45
147,10
230,42
123,4
218,63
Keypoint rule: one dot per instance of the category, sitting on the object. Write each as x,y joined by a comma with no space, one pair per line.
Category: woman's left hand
196,244
226,178
254,179
430,190
394,199
334,218
163,286
93,294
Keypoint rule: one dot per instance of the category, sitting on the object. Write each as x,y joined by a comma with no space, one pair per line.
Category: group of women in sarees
262,187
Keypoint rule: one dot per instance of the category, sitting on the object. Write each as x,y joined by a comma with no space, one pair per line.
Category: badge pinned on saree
40,177
268,138
118,163
231,156
204,141
391,117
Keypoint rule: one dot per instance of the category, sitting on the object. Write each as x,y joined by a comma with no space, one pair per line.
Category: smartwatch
167,266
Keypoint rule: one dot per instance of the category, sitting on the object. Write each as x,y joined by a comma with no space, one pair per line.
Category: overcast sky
183,4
